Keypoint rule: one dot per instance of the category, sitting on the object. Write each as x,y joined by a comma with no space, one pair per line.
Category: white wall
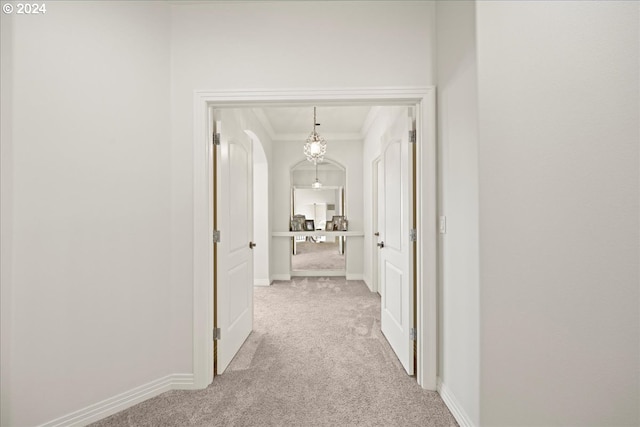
458,290
89,203
559,217
6,215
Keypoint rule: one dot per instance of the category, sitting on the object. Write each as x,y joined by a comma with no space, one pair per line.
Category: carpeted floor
317,256
315,358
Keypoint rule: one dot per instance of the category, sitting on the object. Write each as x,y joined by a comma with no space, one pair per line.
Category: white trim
122,401
329,136
202,244
424,99
454,405
292,97
427,253
375,206
280,277
355,276
261,282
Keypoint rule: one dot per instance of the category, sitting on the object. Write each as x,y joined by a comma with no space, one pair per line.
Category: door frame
423,98
375,205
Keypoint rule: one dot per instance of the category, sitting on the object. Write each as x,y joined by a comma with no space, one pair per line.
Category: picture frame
298,223
328,226
309,225
340,223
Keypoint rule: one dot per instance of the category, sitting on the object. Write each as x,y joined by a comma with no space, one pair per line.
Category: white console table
318,233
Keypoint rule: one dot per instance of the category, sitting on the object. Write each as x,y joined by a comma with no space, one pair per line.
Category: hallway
316,358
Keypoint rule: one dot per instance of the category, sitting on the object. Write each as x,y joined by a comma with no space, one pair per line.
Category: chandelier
316,147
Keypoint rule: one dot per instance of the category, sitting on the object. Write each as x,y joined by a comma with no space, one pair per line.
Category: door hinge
216,138
216,236
412,136
413,235
413,334
216,334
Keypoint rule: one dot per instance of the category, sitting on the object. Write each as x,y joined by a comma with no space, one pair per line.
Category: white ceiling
286,122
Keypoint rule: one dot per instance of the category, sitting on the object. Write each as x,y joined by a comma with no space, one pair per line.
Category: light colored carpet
317,256
315,358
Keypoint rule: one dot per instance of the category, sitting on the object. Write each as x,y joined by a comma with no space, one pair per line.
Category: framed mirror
320,206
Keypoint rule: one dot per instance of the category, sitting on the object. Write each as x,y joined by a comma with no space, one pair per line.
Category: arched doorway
260,212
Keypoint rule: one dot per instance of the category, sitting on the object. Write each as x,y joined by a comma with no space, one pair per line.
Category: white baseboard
355,276
122,401
454,406
261,282
280,277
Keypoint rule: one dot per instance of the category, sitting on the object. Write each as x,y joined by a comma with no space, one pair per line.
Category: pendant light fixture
316,184
315,147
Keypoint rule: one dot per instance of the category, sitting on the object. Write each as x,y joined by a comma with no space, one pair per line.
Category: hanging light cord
314,119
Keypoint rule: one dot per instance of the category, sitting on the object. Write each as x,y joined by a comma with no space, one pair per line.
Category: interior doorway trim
421,97
375,204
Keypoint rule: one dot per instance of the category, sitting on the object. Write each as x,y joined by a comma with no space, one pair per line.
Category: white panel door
395,247
234,300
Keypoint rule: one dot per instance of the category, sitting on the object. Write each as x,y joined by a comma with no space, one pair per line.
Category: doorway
318,255
423,99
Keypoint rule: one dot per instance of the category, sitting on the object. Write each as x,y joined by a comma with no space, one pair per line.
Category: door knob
381,245
252,245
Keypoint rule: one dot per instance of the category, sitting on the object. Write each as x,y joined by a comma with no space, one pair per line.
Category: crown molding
329,137
266,124
299,136
374,112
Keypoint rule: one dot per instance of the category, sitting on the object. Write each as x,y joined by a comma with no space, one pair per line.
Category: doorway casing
423,99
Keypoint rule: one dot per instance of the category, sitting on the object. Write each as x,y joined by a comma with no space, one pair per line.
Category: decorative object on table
316,147
329,226
309,225
340,223
298,223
